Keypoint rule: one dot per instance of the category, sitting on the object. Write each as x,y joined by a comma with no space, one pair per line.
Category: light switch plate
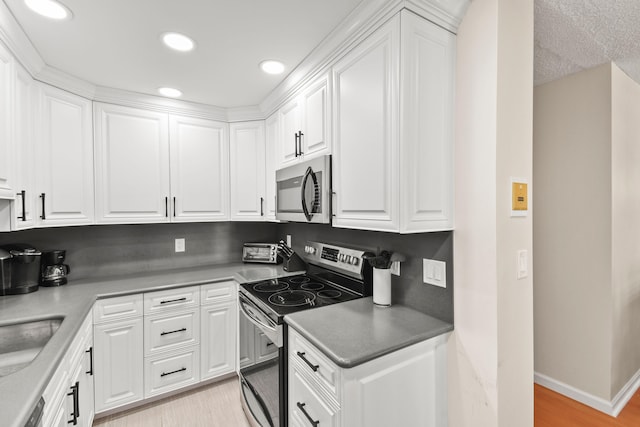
289,240
523,264
180,245
434,272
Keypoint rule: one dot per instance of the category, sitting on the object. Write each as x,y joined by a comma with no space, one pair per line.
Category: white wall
572,230
490,351
625,172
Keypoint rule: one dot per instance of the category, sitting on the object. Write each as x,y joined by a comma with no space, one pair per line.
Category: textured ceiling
574,35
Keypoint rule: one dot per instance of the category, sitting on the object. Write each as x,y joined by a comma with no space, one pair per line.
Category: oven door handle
268,326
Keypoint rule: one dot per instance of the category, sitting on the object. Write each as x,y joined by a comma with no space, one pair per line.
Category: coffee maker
53,270
19,269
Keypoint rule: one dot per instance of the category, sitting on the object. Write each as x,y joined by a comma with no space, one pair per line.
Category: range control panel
345,260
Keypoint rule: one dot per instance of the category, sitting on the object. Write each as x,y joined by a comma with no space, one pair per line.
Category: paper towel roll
382,286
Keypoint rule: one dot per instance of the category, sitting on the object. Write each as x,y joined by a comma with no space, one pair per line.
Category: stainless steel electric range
334,274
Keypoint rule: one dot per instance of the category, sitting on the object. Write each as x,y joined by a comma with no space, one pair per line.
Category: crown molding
358,25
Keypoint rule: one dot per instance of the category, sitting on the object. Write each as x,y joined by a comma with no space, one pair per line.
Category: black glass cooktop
290,294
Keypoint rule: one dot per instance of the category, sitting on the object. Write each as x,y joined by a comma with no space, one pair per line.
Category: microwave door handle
307,174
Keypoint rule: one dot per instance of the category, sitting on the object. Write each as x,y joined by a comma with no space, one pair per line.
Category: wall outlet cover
289,240
180,245
434,272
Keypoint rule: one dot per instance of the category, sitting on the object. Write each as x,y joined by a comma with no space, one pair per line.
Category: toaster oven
266,253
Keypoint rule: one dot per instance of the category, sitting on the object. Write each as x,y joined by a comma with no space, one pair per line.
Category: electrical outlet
395,268
434,272
289,240
180,245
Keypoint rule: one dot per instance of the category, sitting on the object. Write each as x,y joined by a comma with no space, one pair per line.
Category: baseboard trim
612,408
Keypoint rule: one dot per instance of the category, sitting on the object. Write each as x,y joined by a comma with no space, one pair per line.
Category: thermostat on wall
519,197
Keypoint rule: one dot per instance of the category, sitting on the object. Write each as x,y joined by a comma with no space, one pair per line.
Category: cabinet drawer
313,364
217,292
179,298
307,408
117,308
168,332
171,371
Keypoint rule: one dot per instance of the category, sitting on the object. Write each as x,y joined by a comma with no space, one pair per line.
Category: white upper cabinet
272,135
366,146
392,163
305,124
64,159
247,166
25,113
199,169
6,124
132,165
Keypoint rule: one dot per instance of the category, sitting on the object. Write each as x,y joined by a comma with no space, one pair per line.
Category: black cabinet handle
164,374
174,206
296,143
90,351
75,390
23,194
166,207
300,153
261,206
173,332
306,414
311,365
44,215
169,301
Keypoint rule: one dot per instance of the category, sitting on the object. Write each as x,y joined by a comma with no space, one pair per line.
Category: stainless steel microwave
303,191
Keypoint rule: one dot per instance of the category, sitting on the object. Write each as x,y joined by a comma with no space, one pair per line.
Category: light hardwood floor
555,410
215,405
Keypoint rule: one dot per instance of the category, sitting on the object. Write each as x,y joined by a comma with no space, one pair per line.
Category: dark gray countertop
20,391
357,331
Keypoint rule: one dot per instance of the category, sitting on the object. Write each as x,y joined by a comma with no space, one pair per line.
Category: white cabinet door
365,176
132,165
218,340
291,120
64,152
315,126
427,93
118,363
87,406
6,123
25,114
199,169
272,137
247,148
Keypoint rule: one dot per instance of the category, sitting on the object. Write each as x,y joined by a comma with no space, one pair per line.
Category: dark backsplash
103,250
408,288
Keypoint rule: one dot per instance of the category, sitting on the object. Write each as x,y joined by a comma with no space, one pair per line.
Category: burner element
312,286
298,280
292,298
330,294
273,285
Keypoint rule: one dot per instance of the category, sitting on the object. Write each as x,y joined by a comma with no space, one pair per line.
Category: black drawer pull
311,365
23,195
169,301
164,374
311,420
173,332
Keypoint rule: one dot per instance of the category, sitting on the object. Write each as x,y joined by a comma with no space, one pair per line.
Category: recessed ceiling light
272,67
178,41
49,8
170,92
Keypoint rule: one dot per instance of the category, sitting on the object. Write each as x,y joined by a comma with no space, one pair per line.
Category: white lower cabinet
154,343
118,351
69,394
404,388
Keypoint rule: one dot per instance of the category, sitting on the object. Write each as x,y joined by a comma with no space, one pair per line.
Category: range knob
355,261
312,250
347,259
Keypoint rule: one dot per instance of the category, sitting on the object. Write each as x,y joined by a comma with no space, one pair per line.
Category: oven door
263,373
